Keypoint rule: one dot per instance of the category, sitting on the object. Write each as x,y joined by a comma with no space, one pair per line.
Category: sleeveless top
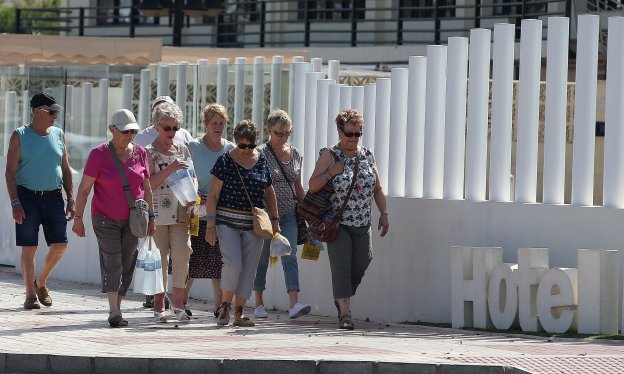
39,166
286,202
165,203
358,210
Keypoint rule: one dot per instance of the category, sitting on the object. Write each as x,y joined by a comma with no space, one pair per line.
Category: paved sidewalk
73,336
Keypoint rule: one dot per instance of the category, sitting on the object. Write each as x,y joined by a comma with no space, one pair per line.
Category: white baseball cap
161,99
123,120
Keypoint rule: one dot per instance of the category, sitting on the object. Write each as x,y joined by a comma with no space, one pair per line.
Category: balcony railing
272,23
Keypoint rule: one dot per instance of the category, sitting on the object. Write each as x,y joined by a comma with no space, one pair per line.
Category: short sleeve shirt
256,179
286,202
109,199
358,210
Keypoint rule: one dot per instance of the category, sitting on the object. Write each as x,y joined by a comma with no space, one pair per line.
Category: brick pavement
76,326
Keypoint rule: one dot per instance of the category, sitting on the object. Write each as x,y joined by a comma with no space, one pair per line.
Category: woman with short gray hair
241,179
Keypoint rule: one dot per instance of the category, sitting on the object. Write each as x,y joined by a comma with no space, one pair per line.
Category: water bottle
181,184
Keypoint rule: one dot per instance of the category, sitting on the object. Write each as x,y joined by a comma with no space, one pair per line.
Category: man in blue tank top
37,167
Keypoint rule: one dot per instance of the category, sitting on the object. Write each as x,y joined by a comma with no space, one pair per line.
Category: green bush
30,20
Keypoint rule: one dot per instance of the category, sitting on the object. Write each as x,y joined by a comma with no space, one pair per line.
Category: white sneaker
299,310
260,312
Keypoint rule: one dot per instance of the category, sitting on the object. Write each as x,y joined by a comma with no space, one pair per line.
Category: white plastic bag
148,276
280,246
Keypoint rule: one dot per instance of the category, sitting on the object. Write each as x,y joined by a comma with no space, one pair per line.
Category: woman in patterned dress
352,251
241,178
206,259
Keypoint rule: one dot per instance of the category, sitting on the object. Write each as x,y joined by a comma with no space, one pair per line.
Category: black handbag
302,227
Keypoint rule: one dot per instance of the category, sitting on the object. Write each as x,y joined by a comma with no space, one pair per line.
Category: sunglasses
281,134
51,112
350,134
243,146
169,128
126,132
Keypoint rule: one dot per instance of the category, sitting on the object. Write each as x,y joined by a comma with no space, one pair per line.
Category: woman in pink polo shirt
109,209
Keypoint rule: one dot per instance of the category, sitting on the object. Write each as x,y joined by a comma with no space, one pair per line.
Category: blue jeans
288,225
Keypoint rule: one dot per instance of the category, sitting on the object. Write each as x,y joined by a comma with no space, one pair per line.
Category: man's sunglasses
126,132
281,134
243,146
51,112
350,134
169,128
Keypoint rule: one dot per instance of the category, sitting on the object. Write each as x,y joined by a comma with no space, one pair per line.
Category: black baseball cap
44,99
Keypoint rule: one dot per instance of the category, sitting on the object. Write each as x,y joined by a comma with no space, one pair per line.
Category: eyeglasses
350,134
243,146
51,112
169,128
126,132
281,134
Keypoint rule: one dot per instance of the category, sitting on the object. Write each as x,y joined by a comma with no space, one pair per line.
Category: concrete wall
409,278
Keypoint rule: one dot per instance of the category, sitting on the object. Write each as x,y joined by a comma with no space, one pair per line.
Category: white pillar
201,87
10,117
585,110
477,125
345,97
87,124
556,109
455,128
382,129
333,108
291,84
257,107
333,70
502,111
398,129
26,111
369,115
322,124
70,116
298,110
309,157
317,64
433,173
416,99
528,110
239,89
222,82
162,85
613,195
144,98
181,83
103,107
357,98
127,85
276,82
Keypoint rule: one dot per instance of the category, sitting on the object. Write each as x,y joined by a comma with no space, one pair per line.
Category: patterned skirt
205,260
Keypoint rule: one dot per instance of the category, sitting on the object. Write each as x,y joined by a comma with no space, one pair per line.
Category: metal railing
273,23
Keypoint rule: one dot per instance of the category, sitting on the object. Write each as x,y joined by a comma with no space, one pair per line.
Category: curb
42,363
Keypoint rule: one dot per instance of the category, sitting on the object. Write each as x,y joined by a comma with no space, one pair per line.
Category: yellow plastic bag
311,250
194,220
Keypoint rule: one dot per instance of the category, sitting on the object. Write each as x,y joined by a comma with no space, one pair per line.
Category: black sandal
346,323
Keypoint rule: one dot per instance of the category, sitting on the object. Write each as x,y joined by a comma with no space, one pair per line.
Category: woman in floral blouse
352,251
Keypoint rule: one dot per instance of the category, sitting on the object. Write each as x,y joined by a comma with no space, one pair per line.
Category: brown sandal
346,323
224,314
240,320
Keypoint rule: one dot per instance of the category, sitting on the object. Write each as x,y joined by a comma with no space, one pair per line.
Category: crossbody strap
279,163
126,187
355,175
242,181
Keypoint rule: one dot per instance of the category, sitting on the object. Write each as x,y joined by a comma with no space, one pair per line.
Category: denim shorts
47,210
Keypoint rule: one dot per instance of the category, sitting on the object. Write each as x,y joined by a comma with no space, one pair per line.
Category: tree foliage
35,22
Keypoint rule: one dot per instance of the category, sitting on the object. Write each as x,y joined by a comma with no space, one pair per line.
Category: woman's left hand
151,226
383,224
